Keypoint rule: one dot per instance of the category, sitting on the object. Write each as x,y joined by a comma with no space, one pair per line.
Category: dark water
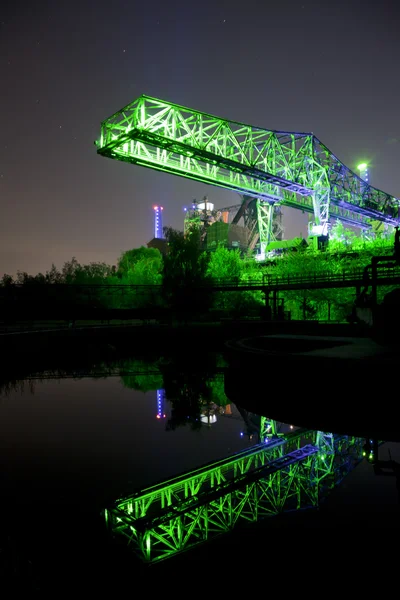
101,435
70,446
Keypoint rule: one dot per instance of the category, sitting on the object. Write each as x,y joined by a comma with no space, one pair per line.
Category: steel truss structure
284,472
275,167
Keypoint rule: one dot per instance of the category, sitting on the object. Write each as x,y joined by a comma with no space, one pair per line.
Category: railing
327,276
318,277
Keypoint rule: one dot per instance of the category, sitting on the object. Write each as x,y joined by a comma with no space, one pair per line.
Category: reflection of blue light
160,404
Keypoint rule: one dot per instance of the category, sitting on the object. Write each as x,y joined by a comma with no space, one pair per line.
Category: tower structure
158,223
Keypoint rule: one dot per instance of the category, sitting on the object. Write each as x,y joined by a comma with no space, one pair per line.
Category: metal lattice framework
284,472
292,169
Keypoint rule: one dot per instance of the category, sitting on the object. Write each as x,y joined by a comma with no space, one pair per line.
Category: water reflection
159,450
103,434
286,472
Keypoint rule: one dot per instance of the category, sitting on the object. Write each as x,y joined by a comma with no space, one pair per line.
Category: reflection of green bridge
284,472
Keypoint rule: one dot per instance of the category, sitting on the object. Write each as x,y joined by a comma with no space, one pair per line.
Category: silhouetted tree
6,280
185,272
54,275
70,270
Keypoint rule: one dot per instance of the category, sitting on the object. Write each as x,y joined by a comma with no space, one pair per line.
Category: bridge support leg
274,305
320,226
269,223
323,462
266,312
374,277
325,444
318,181
268,429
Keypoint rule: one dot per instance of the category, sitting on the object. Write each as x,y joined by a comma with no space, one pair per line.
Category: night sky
331,68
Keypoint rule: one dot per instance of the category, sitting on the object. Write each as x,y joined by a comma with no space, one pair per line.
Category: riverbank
87,344
29,336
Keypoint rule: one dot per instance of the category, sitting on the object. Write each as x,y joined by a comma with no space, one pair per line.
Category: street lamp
363,170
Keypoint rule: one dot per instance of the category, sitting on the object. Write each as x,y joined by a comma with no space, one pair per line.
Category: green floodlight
362,167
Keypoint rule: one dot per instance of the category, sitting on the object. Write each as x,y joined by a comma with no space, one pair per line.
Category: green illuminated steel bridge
275,168
284,472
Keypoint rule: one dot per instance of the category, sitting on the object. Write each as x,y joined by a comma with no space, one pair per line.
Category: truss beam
248,497
271,165
285,472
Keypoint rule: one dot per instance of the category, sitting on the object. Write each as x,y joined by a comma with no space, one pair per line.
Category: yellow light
362,166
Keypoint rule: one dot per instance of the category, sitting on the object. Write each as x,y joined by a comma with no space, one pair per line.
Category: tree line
184,266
